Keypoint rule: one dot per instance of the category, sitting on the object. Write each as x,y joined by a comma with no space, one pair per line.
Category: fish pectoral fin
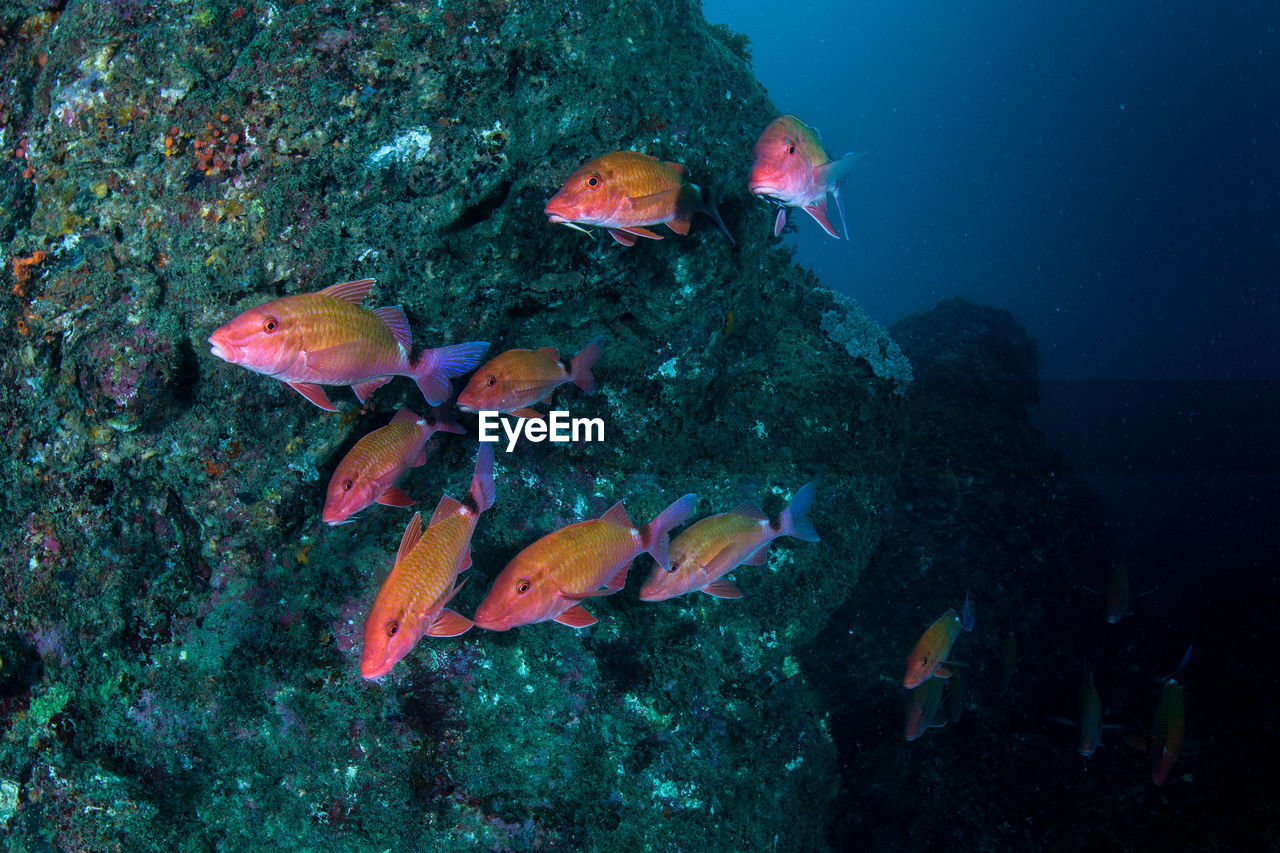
314,393
365,389
394,497
527,412
576,617
942,672
722,588
449,624
661,198
622,237
818,210
758,557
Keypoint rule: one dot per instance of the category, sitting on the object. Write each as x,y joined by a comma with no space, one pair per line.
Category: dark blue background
1108,171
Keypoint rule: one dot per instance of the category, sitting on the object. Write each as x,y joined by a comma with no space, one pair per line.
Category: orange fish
626,191
790,166
367,474
549,579
922,708
933,647
411,601
326,338
716,545
518,378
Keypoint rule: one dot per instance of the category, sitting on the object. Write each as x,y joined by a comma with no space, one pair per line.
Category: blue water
1110,173
1107,171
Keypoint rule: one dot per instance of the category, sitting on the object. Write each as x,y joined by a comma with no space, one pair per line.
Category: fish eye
493,380
791,150
346,485
393,628
593,181
270,325
523,586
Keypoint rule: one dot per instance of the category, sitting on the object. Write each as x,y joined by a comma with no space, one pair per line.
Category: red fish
922,708
326,338
411,601
790,166
367,474
934,645
518,378
625,191
716,545
549,579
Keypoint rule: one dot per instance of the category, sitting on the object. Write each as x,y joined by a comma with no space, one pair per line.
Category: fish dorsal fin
352,292
412,533
550,352
406,415
748,509
447,506
392,316
617,514
678,167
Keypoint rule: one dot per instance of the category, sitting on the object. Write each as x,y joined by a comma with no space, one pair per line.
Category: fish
1117,595
922,708
625,191
1167,728
1090,716
790,166
327,338
518,378
934,645
551,578
367,474
411,601
714,546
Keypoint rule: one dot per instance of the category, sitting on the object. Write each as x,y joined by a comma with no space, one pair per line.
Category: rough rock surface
179,632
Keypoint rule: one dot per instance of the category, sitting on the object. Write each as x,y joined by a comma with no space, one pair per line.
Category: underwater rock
188,162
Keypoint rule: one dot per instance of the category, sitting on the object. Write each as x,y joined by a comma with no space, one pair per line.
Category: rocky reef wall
178,631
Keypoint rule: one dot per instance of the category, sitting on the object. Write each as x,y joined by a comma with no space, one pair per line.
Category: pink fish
326,338
367,474
790,166
711,548
411,601
551,578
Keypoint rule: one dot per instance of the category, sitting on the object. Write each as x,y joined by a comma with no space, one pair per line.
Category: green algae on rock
170,565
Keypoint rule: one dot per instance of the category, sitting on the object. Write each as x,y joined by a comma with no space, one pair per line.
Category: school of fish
328,337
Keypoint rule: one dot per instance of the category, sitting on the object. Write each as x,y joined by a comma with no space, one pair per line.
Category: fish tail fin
711,204
656,535
435,367
580,365
795,518
482,492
